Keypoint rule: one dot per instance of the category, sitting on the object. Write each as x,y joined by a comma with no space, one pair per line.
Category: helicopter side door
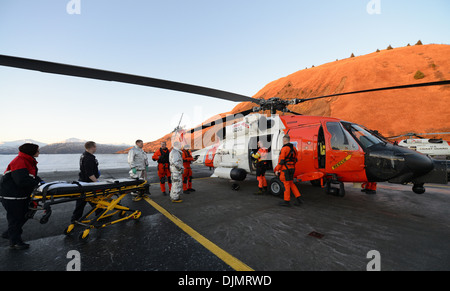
344,156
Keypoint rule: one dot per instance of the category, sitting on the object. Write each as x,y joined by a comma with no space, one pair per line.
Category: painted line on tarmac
217,251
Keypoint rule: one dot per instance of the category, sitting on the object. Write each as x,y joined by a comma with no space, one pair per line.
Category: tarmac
218,229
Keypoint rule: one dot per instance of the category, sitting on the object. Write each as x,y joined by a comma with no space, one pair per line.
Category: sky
236,46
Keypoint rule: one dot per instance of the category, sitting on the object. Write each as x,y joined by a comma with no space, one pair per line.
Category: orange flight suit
162,156
286,165
261,164
187,173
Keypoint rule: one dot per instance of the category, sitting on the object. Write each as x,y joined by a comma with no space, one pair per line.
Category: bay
70,162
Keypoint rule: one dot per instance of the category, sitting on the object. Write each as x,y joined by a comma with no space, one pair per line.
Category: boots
299,201
285,203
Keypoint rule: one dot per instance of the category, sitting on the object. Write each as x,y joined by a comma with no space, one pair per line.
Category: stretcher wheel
46,217
84,235
69,229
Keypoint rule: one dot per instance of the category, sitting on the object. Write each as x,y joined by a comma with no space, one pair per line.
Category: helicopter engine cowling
236,174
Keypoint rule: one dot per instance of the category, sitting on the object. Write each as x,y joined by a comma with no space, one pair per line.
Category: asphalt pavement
218,229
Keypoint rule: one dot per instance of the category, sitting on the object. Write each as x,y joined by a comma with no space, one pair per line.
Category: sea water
71,162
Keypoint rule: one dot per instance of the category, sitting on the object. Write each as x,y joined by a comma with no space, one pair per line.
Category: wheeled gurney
99,194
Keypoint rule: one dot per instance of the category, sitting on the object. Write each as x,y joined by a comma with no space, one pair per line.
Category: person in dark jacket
88,173
16,186
89,164
162,156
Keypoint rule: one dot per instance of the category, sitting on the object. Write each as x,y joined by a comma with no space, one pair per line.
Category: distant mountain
12,147
68,146
73,140
78,147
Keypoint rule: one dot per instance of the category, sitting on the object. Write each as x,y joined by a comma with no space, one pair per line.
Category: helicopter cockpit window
364,137
340,138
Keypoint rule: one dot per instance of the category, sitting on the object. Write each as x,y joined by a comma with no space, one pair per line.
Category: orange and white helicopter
330,150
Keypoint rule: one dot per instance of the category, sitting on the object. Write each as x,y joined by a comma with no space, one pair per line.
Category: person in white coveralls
138,161
176,169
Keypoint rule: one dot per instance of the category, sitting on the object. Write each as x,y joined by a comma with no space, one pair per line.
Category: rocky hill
394,112
77,148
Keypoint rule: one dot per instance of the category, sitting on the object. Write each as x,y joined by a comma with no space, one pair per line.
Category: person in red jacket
187,173
16,186
286,170
162,156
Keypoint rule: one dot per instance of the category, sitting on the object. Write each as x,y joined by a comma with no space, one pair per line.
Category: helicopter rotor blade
222,120
437,83
396,136
419,135
90,73
293,112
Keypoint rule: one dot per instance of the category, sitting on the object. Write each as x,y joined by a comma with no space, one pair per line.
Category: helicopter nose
396,164
417,163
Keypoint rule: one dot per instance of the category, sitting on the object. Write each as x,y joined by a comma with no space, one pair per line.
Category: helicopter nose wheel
418,188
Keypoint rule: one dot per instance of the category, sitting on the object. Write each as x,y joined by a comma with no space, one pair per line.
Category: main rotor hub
275,104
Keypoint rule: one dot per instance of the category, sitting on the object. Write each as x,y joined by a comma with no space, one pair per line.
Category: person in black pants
88,173
16,186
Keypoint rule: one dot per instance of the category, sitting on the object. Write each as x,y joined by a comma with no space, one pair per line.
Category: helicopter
330,150
434,147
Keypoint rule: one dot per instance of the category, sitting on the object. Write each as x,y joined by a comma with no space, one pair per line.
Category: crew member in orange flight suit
261,164
286,169
187,173
369,187
162,156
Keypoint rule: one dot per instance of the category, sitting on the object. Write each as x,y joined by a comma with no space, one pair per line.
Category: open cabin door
253,148
321,149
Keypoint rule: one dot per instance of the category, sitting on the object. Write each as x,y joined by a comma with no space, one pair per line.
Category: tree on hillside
419,75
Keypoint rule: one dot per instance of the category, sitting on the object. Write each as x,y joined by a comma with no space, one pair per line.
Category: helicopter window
340,138
364,137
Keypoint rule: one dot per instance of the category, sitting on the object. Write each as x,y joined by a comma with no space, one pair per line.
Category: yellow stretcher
105,198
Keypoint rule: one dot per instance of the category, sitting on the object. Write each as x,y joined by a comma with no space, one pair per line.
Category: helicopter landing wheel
276,187
418,188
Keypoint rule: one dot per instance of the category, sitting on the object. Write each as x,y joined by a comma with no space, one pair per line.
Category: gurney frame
103,202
